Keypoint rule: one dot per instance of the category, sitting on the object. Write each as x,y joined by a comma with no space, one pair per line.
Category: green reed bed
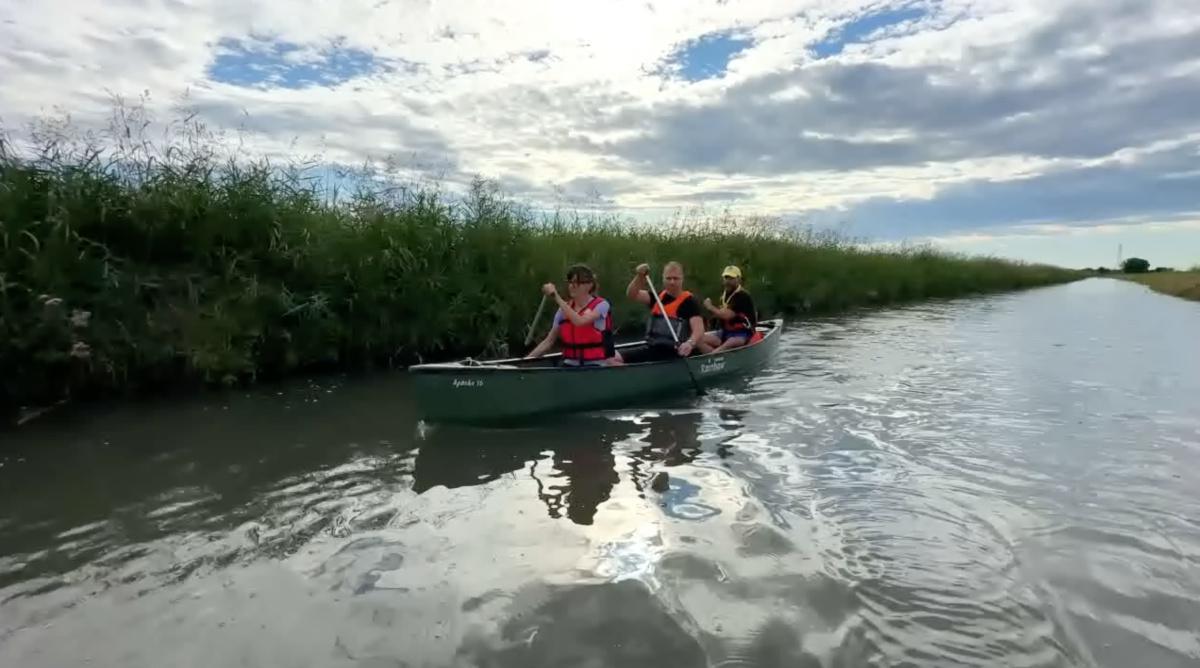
126,268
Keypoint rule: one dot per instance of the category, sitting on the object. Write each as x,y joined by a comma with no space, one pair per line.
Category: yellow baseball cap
731,272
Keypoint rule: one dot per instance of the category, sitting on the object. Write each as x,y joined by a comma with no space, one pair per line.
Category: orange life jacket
584,342
656,329
673,307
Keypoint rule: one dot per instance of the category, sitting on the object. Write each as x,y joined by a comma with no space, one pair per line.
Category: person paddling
583,325
737,314
681,309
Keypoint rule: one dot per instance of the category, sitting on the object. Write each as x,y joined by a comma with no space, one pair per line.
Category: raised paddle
536,317
662,309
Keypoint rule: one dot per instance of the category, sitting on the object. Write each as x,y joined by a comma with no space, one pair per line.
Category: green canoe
510,389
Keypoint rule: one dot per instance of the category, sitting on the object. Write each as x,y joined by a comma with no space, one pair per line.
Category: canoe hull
509,390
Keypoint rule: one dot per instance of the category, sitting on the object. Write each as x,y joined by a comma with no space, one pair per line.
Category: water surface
1009,480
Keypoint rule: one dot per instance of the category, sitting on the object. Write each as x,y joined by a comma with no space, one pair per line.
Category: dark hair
583,274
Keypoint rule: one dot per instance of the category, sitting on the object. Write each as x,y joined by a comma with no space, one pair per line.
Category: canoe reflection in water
582,468
574,462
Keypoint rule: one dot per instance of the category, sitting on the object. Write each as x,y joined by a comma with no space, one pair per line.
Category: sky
1049,130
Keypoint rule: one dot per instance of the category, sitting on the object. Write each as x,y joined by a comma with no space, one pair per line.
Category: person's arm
722,312
697,324
542,347
584,317
691,310
637,287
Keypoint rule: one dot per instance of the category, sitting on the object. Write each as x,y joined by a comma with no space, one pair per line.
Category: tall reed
130,265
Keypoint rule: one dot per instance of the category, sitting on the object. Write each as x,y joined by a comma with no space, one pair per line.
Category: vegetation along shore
128,268
1184,284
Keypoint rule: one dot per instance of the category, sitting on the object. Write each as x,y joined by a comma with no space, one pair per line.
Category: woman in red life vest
582,325
736,314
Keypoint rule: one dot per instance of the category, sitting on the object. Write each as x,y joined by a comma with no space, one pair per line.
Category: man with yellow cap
737,315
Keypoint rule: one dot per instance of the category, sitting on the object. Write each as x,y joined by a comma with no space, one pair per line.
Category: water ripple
999,481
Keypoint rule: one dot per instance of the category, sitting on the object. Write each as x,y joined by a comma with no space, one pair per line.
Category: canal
1004,480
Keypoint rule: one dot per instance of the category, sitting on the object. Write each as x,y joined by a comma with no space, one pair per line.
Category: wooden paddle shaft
536,316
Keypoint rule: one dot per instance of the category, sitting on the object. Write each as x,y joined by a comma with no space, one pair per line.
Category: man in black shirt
681,309
737,315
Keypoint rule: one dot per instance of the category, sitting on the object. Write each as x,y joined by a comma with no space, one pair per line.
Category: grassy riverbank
127,269
1184,284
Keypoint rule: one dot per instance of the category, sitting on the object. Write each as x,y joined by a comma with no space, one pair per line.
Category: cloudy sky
1042,130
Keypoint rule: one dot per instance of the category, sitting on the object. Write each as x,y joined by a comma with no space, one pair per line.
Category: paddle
536,317
662,309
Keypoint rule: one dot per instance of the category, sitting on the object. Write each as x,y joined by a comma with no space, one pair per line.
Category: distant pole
1120,254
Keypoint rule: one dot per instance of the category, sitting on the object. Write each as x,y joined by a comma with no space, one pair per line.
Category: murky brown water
1007,481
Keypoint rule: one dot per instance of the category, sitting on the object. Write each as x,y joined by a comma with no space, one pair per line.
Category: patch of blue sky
282,64
1071,197
708,56
862,28
340,182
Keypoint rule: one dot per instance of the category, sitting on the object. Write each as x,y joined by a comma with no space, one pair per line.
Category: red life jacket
584,342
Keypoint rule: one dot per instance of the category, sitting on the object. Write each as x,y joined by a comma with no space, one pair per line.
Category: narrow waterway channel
1007,480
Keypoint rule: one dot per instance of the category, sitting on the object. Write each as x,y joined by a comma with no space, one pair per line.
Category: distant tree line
1133,265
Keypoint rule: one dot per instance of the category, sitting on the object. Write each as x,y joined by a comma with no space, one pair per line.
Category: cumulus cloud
855,115
1158,186
908,116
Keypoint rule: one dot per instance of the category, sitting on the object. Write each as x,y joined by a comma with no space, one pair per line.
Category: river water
1002,481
